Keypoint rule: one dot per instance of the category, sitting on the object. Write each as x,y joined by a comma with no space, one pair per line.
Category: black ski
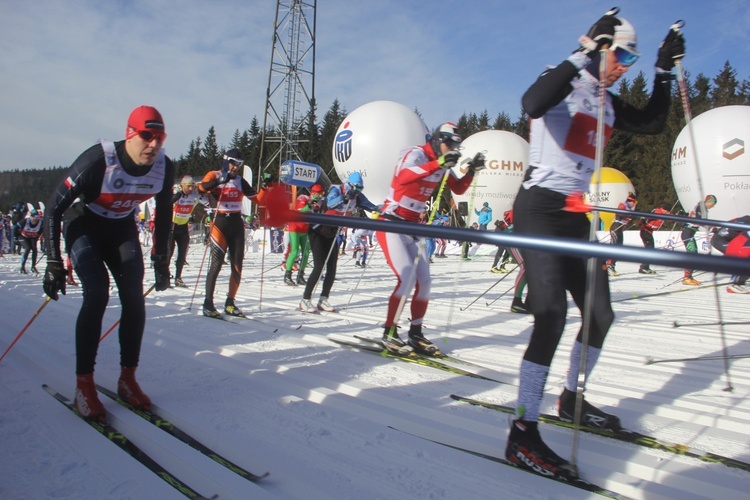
412,357
442,356
183,436
116,437
219,317
624,435
577,483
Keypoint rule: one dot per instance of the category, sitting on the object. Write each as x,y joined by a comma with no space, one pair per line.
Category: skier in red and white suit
419,172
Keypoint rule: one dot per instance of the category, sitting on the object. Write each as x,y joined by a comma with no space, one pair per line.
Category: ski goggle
453,141
624,56
148,135
234,161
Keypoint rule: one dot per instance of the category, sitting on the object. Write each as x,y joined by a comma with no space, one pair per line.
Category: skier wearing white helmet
418,173
563,105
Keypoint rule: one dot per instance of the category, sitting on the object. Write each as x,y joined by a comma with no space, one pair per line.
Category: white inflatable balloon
507,158
722,138
369,141
614,188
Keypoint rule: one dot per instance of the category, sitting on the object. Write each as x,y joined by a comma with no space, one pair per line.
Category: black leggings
617,238
181,239
321,249
96,244
227,233
540,211
29,245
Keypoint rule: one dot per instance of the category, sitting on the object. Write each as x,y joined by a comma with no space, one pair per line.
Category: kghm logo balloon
718,166
506,156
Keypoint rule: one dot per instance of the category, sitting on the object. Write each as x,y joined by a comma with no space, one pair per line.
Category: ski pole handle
677,28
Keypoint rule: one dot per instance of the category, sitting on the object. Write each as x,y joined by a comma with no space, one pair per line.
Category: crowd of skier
93,225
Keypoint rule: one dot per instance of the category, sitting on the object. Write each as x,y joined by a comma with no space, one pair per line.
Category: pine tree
309,134
503,122
483,122
522,126
195,161
211,154
331,121
725,91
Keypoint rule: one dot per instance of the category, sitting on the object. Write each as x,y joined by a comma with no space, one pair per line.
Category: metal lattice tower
290,96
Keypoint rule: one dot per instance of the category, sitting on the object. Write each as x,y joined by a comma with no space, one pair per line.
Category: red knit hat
144,118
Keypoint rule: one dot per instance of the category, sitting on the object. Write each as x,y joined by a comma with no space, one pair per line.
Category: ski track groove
201,473
362,401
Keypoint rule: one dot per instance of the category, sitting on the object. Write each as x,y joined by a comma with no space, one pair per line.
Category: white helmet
626,40
446,133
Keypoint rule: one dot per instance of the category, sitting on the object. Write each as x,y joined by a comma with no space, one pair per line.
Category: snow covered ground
274,394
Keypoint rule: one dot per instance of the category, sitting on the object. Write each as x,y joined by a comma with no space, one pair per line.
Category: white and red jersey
417,175
184,206
31,230
121,192
562,143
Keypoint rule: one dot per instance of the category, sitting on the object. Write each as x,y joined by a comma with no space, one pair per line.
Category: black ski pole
677,324
486,291
501,295
652,361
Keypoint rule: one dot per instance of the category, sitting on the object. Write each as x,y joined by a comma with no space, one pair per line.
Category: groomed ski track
275,394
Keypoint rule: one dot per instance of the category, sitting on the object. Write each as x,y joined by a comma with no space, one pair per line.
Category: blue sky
71,71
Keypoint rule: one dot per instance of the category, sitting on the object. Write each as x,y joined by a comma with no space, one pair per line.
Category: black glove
351,194
224,177
161,271
54,279
600,34
449,159
673,47
477,163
